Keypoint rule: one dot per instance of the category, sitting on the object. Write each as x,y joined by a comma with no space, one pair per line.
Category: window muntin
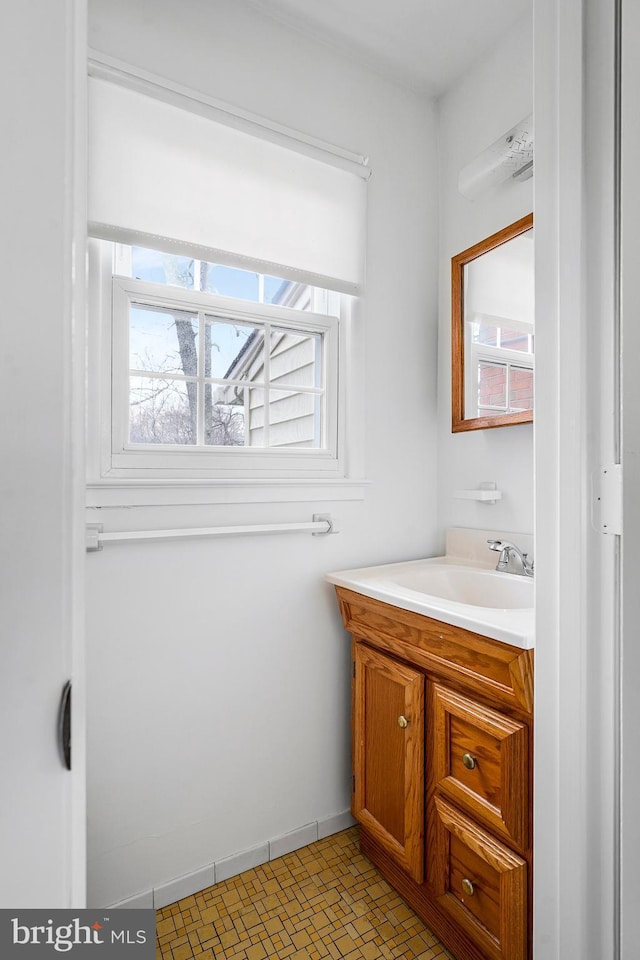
502,334
503,387
155,266
205,402
204,385
501,352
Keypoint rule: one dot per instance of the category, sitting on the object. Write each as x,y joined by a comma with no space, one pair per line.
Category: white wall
218,671
483,105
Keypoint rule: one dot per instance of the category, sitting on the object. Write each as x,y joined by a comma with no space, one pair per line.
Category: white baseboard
335,824
141,901
289,842
204,877
183,887
239,862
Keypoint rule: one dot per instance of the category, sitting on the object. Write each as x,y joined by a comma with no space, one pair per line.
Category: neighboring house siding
295,359
292,415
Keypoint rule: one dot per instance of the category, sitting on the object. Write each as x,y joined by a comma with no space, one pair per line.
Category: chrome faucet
507,550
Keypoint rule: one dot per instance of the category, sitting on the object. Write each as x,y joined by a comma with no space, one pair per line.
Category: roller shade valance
163,172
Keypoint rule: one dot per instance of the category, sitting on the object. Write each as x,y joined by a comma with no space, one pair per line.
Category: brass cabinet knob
469,761
468,887
403,722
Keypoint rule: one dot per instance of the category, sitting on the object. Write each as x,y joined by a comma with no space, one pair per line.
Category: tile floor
325,900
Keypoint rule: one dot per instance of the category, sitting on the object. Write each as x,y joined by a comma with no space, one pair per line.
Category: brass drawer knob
403,722
469,761
468,887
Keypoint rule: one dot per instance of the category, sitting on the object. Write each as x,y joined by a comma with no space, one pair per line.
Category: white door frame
42,240
78,95
630,396
575,877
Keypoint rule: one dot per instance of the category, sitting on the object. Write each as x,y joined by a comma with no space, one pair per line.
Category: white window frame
478,352
496,355
116,469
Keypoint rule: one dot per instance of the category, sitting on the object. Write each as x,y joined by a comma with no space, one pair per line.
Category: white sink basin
470,585
497,605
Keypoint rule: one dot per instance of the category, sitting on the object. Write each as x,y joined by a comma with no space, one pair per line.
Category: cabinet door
478,882
479,760
388,727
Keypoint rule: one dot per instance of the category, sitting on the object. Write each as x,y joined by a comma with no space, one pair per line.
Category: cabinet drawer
479,759
479,883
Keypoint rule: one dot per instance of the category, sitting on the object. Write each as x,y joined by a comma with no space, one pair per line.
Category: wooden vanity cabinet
480,761
388,761
442,759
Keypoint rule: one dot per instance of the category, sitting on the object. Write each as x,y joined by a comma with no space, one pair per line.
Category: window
501,352
226,257
205,384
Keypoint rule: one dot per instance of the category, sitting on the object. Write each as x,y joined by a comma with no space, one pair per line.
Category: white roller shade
173,175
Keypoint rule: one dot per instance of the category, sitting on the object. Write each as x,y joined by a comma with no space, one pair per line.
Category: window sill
137,493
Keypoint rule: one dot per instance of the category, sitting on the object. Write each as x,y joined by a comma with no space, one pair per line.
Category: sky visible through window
212,364
155,266
153,344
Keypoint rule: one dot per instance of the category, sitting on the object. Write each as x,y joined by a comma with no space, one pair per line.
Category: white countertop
496,605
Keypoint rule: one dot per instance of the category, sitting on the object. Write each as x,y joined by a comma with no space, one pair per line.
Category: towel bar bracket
93,537
323,518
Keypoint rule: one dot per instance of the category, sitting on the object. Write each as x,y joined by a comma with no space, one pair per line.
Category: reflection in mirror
493,330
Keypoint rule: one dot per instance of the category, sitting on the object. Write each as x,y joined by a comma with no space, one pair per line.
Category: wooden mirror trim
458,262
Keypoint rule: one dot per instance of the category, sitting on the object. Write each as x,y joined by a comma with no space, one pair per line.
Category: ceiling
426,44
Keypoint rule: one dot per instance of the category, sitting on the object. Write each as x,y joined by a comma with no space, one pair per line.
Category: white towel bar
321,525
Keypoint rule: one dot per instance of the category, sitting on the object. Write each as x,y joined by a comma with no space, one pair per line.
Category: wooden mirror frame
458,422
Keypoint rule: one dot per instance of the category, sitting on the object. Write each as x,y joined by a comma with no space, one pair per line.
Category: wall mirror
492,334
